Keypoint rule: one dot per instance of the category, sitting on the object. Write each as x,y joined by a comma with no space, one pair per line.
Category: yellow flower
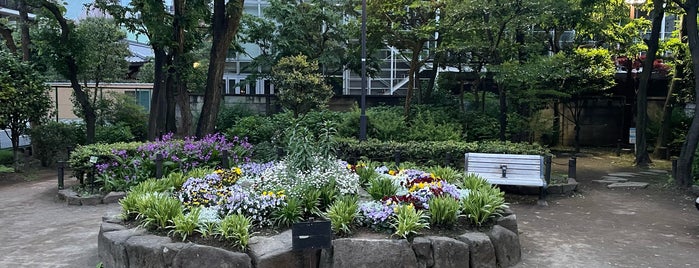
392,172
238,171
218,171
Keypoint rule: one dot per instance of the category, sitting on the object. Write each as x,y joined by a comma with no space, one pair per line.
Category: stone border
497,247
73,198
563,188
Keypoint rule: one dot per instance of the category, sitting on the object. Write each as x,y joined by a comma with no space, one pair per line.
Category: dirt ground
599,227
595,227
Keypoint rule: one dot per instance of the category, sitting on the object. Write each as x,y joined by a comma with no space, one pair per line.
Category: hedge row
80,157
429,152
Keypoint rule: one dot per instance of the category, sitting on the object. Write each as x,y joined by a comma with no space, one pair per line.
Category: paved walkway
40,231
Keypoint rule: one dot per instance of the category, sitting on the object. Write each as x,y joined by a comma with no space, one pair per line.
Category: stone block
370,253
276,251
506,244
449,252
111,227
146,251
111,247
91,200
481,250
198,256
170,250
113,197
509,222
423,251
112,217
628,185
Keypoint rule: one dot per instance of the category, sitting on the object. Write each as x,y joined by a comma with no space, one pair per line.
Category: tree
24,98
406,25
301,87
225,23
62,48
642,158
684,162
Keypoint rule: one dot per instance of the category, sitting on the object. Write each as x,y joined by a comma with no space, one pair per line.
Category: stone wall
119,246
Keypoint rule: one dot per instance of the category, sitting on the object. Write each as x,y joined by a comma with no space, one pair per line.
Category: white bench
509,169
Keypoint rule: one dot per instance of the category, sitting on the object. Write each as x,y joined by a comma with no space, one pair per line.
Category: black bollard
158,166
618,147
280,153
61,167
224,159
396,157
447,160
674,168
571,167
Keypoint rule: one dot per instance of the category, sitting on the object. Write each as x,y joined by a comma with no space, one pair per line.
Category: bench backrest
526,170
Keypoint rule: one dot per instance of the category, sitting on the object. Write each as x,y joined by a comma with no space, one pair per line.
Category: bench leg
542,197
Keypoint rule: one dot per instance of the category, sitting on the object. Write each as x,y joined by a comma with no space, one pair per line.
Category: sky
75,8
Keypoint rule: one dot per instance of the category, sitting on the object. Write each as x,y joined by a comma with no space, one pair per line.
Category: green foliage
381,187
290,213
230,116
446,173
430,152
174,181
310,202
386,123
482,204
408,221
80,157
157,210
51,140
257,128
123,110
474,182
366,172
113,134
184,225
4,169
424,127
6,157
236,229
342,214
300,87
23,95
443,210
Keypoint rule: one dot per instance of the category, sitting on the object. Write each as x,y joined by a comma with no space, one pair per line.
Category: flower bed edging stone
72,198
498,247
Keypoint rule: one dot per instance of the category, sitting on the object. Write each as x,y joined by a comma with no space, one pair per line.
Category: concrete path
37,230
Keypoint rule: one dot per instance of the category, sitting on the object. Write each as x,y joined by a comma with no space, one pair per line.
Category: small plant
446,173
288,214
310,202
151,186
474,182
158,210
235,228
382,187
444,210
208,222
483,204
185,224
408,221
174,181
342,214
328,193
365,172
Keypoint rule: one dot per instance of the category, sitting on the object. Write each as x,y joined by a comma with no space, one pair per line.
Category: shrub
288,214
113,134
6,157
342,214
124,110
235,228
381,187
185,224
229,116
257,128
408,221
444,210
483,204
52,139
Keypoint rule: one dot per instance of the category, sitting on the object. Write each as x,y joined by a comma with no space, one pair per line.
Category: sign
632,135
93,159
311,235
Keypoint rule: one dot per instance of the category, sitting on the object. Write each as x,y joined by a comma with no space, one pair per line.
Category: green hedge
80,157
429,152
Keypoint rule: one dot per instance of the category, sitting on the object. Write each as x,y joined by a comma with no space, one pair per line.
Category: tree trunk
170,90
642,158
503,112
225,24
182,95
556,132
24,30
414,65
6,34
684,163
677,75
14,139
80,95
156,117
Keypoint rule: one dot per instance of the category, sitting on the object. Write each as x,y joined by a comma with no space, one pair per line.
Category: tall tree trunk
642,158
181,94
556,132
684,163
156,117
24,30
6,34
503,112
438,58
170,90
414,65
678,74
225,24
80,95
